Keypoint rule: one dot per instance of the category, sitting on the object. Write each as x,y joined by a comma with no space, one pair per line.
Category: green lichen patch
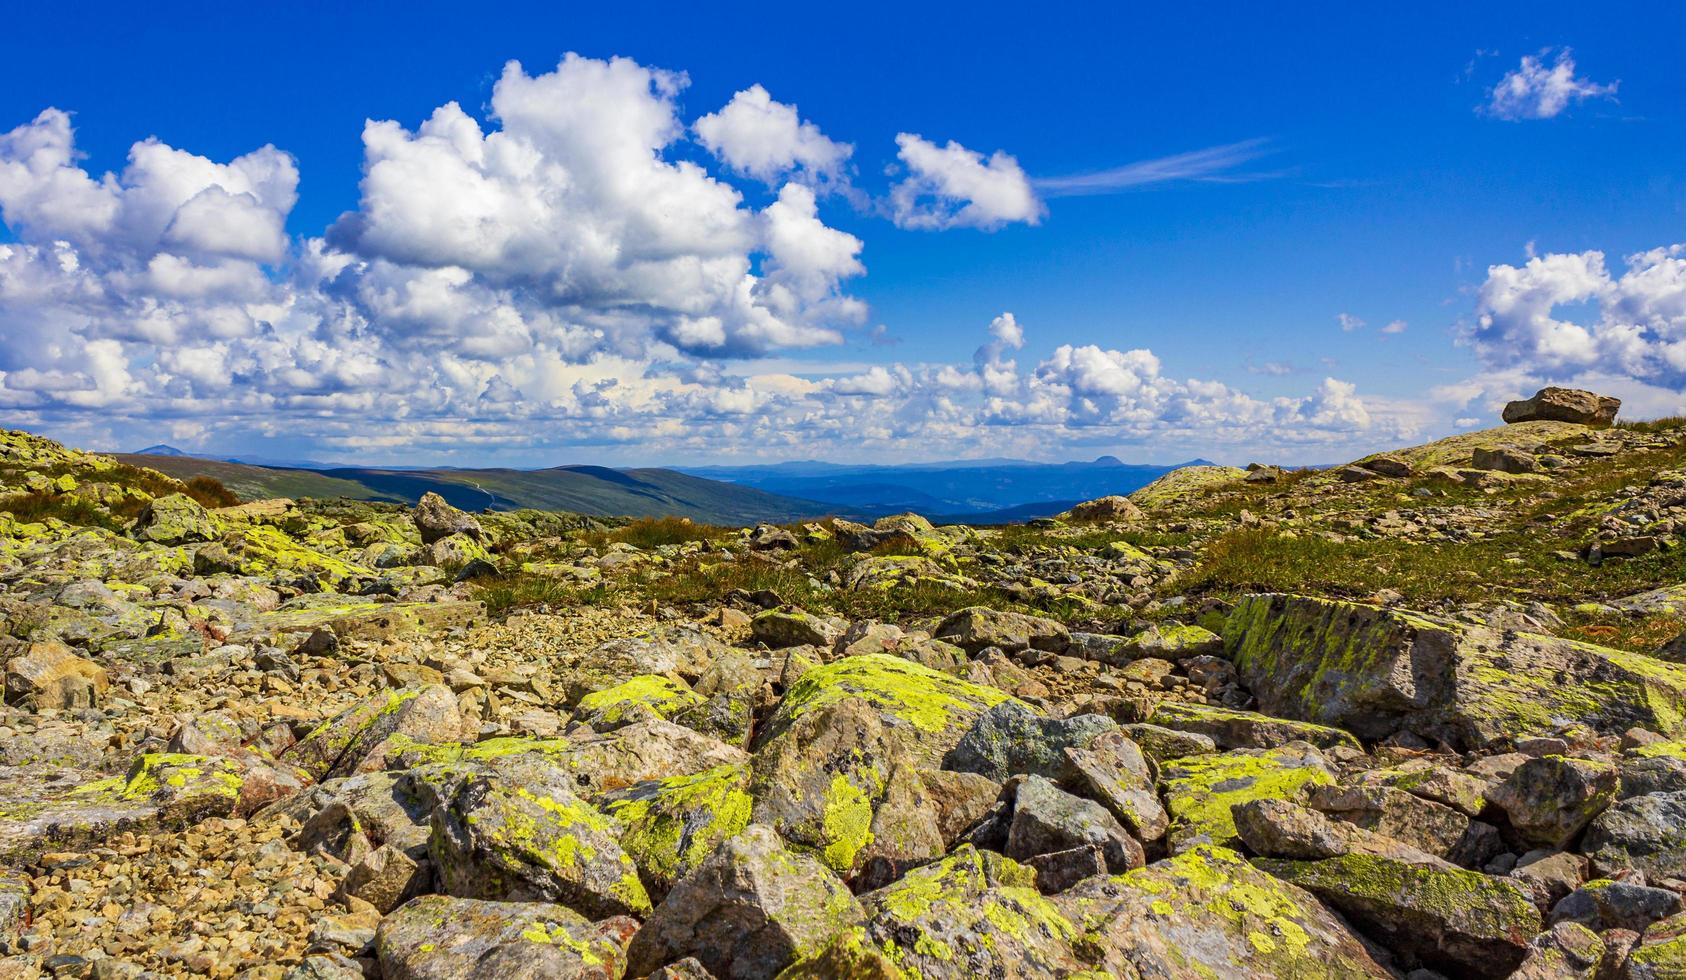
1208,913
635,699
1451,917
973,913
671,825
932,707
1200,790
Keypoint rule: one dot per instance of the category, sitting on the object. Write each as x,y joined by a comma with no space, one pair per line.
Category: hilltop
1423,714
594,490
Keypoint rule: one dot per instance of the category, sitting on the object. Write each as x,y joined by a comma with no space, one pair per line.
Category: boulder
1564,405
1280,829
971,914
746,912
1422,824
1208,913
1660,953
1112,771
1505,459
1566,951
1112,508
1232,729
781,629
436,520
1644,832
436,937
669,826
926,710
1604,904
1380,672
1047,820
1200,791
839,783
977,627
641,698
1549,800
360,738
49,674
1459,922
175,518
526,837
1010,739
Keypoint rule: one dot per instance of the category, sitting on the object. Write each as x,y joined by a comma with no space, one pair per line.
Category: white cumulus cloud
952,187
1534,90
768,140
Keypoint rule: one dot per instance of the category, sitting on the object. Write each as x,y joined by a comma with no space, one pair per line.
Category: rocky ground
1422,715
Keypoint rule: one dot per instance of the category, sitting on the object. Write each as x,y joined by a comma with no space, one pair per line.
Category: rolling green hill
592,490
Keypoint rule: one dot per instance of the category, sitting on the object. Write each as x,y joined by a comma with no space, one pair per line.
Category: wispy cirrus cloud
1214,165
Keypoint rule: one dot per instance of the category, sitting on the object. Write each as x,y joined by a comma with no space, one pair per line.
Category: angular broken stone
747,911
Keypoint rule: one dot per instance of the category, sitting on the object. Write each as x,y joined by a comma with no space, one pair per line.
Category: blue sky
1369,167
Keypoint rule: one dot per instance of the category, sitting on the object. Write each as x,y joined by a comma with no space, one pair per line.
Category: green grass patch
1506,566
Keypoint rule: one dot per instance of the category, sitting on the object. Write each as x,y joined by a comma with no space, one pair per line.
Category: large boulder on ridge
437,520
1564,405
1377,672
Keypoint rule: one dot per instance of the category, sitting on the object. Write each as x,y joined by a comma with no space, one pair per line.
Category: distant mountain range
582,489
974,491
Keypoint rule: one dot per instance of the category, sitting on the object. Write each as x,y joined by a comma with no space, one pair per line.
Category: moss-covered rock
527,837
599,763
436,937
365,735
1457,921
185,788
635,699
175,518
928,710
840,784
972,914
1208,913
1661,951
748,911
669,826
1200,790
1376,672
